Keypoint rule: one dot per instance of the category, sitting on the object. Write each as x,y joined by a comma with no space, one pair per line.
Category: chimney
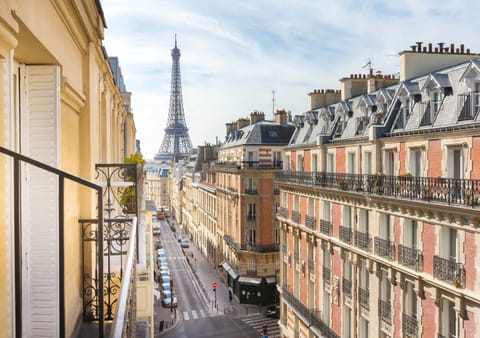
281,116
231,126
323,97
256,116
242,122
419,46
353,87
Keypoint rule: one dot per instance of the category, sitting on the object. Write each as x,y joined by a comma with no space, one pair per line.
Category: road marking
194,314
185,315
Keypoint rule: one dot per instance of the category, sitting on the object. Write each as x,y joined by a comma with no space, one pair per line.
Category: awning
229,269
271,280
232,273
250,280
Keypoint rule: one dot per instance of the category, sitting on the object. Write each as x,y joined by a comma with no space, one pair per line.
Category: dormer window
469,103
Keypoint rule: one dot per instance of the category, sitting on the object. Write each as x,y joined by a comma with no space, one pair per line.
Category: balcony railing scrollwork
296,216
364,297
409,325
283,212
412,258
326,227
310,222
384,248
385,310
363,241
436,189
449,271
347,286
346,234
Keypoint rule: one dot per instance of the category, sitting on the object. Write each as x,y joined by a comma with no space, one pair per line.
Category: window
347,216
410,300
410,228
326,211
364,221
448,243
384,227
437,98
330,163
252,265
277,158
385,287
455,163
311,207
448,319
252,211
363,328
277,235
314,162
299,163
351,163
326,308
367,163
287,165
251,184
389,163
251,236
296,206
346,320
416,168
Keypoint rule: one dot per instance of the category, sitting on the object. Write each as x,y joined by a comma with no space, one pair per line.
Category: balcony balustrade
347,286
326,273
232,189
251,217
263,165
250,246
364,297
312,315
363,241
346,234
326,227
384,248
296,216
311,265
409,326
385,310
449,271
310,222
251,191
442,190
283,212
412,258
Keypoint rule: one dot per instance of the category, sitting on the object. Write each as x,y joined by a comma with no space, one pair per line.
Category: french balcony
363,241
261,248
326,227
310,222
384,248
464,192
346,234
251,217
284,248
276,191
251,191
409,326
261,165
385,310
468,105
412,258
311,315
347,286
364,297
449,271
296,216
283,212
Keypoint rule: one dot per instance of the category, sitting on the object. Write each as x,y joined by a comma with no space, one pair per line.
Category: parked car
184,243
165,280
159,251
162,259
165,288
272,311
180,237
169,299
164,273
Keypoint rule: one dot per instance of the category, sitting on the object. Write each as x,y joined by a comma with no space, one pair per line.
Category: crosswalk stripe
185,315
194,314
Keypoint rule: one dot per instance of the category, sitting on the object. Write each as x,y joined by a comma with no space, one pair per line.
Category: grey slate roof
260,133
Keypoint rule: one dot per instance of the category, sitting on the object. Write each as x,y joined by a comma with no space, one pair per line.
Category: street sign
214,285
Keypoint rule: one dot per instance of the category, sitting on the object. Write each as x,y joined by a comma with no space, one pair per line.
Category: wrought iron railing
346,234
262,248
18,316
385,310
384,248
409,325
276,191
449,271
296,216
311,315
251,191
283,212
363,241
251,217
413,258
326,227
310,222
347,286
443,190
124,323
364,297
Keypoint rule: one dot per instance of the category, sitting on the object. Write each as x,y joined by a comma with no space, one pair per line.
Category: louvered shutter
40,140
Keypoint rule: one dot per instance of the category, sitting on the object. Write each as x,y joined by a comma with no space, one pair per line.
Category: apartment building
246,203
64,119
156,183
379,205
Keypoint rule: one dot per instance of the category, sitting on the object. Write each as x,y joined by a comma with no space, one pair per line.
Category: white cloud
235,53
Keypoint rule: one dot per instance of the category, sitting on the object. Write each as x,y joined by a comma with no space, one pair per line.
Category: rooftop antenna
273,103
175,40
369,65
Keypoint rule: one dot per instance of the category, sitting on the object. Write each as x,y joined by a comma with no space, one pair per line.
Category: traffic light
171,282
265,329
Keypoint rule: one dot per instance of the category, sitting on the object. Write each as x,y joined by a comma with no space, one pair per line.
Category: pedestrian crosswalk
256,322
196,314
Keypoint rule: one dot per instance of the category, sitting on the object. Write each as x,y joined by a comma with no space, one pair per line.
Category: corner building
246,204
379,204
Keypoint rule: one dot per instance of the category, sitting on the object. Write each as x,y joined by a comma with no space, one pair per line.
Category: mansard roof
260,133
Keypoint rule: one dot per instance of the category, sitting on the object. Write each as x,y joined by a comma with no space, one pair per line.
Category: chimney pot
436,49
413,47
462,48
452,48
429,47
468,50
457,50
440,46
419,46
424,49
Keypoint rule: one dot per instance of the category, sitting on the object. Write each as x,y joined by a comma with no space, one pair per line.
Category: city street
197,315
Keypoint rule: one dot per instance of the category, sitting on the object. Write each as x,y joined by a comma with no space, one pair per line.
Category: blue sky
234,53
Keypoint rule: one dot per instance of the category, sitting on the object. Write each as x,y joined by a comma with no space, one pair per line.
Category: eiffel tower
176,142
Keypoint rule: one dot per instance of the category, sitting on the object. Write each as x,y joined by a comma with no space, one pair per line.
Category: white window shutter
40,140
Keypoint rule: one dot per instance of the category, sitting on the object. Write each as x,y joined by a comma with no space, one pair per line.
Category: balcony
312,316
364,297
310,222
262,165
385,310
449,271
412,258
363,241
261,248
251,217
296,216
326,227
346,235
251,191
409,326
441,190
384,248
232,190
284,248
326,274
276,191
468,105
347,286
